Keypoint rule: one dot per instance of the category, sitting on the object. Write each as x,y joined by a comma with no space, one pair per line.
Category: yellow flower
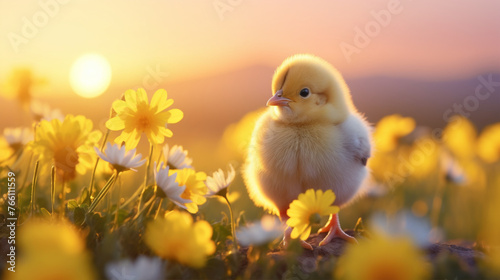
51,250
177,238
67,144
53,266
308,209
57,237
489,143
382,258
460,137
237,136
135,116
195,187
13,142
490,231
390,129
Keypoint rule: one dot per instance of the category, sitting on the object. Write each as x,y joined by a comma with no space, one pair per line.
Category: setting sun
90,75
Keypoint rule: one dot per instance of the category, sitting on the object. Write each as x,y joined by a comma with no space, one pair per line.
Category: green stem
33,188
118,190
146,180
160,155
52,187
159,208
26,177
148,167
92,178
132,197
151,207
103,192
437,204
63,197
109,203
30,160
233,228
144,208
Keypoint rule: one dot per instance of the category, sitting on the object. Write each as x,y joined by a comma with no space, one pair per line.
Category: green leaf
79,216
148,193
84,197
72,204
215,268
359,227
122,215
45,213
98,222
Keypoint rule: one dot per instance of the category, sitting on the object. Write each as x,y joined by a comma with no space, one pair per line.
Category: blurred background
427,60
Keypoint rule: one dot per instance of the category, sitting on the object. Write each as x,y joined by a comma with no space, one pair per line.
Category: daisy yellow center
144,120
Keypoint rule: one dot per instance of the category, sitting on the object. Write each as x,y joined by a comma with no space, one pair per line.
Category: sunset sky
186,43
187,39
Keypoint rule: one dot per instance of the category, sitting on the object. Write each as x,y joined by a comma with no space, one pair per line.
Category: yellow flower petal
119,106
326,199
142,96
201,176
306,233
176,116
381,257
160,101
203,231
166,132
295,233
308,203
293,222
131,99
136,116
133,139
177,238
67,144
192,208
156,138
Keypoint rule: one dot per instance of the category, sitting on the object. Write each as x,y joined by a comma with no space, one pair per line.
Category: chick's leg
334,230
287,236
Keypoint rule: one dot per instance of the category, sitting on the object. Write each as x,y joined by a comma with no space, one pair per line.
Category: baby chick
311,136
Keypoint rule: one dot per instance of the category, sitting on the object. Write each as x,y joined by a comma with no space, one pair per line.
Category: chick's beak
278,99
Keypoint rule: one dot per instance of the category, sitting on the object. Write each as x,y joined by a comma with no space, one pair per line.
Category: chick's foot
334,230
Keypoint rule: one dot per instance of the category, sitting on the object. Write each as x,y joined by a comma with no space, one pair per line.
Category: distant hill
211,103
426,101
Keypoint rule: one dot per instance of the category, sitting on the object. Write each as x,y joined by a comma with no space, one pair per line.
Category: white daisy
120,158
218,182
170,187
266,230
403,224
42,111
143,268
17,137
177,157
452,170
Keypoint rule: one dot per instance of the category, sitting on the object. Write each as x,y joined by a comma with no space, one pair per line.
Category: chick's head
308,89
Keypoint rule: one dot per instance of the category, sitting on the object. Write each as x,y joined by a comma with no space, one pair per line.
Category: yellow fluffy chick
311,136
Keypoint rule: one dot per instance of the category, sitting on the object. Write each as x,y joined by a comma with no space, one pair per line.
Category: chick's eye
304,92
